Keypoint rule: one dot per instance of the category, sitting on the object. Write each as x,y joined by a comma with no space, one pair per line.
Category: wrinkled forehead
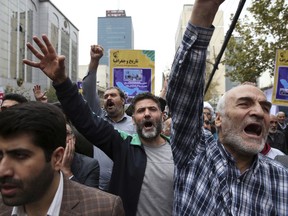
146,103
111,91
281,114
273,118
245,91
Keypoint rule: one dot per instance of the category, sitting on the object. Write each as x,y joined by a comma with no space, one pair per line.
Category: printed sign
280,89
132,71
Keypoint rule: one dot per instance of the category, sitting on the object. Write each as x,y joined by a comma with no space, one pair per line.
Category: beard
151,134
272,130
29,190
231,137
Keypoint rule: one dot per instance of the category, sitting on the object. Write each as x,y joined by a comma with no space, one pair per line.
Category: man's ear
123,101
218,120
57,157
133,119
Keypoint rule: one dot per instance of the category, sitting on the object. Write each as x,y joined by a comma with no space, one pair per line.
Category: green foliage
51,95
211,92
260,34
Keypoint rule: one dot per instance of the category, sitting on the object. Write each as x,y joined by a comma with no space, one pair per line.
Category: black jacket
125,150
278,141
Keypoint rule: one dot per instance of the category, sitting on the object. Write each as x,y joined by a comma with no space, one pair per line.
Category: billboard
280,89
133,71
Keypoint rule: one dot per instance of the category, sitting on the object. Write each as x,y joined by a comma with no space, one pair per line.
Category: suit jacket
85,170
80,200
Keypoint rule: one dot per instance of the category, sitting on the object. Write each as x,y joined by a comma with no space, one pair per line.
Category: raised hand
96,52
39,95
204,12
50,63
68,157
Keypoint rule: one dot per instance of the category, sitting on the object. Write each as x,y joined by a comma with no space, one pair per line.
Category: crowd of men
77,158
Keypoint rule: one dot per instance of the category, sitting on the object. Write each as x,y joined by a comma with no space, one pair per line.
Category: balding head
281,117
243,119
236,91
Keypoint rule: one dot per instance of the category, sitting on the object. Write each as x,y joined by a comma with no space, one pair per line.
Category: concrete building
214,46
102,75
20,21
115,31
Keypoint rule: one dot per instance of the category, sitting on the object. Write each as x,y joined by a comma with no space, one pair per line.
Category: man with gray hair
276,138
282,125
208,112
281,117
228,176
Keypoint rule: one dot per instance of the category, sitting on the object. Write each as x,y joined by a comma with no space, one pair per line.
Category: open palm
50,63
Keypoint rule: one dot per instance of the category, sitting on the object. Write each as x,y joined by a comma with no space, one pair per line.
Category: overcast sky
154,21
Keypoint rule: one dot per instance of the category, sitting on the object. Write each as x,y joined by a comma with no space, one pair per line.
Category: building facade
213,48
115,31
20,21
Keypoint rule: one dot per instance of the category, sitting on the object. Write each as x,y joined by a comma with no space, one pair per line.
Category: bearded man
143,164
227,176
276,138
31,178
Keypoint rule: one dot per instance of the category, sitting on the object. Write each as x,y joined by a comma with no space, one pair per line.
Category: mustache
10,181
145,121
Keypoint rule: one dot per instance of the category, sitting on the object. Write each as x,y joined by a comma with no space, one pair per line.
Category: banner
280,89
133,71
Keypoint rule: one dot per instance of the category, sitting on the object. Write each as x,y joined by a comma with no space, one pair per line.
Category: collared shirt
124,124
273,153
207,181
282,125
54,208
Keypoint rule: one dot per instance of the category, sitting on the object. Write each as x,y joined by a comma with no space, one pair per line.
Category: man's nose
147,113
258,110
5,168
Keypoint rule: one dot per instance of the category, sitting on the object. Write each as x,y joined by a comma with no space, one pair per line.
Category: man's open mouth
110,104
148,124
253,129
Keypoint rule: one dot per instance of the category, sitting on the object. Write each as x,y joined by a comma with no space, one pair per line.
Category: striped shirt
207,181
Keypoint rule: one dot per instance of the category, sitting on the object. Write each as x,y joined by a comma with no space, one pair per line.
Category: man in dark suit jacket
85,170
32,141
276,138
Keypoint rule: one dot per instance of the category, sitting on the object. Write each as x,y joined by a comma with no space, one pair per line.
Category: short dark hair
143,96
16,97
121,93
44,122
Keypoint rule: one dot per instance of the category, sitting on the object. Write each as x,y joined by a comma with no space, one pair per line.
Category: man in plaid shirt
228,176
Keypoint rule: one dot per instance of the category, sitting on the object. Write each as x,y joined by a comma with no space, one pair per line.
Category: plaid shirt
207,181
